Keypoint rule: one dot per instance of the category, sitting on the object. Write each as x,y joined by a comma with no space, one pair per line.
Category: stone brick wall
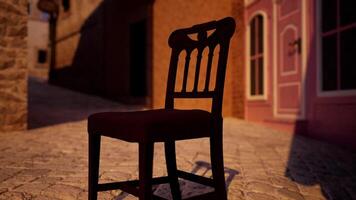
13,65
238,59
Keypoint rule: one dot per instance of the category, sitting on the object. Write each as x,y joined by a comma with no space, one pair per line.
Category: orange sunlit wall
169,15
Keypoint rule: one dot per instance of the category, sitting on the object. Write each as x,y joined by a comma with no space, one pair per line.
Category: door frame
303,63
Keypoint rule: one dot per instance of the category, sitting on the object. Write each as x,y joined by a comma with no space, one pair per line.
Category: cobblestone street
49,161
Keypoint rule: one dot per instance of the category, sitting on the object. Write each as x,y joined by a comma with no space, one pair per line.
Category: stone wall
13,65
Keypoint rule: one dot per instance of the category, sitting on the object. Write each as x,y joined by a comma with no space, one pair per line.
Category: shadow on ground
315,163
188,188
49,105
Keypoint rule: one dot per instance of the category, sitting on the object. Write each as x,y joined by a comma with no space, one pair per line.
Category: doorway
289,91
138,59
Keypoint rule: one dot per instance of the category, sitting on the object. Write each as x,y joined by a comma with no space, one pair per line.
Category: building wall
238,59
98,31
328,116
331,115
13,65
93,46
169,15
79,47
270,108
261,108
37,40
68,29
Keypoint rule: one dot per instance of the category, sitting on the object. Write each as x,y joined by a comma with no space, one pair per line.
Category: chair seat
152,125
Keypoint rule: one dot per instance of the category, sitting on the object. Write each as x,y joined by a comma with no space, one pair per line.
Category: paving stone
61,191
101,195
310,190
48,180
34,172
41,197
284,183
32,188
259,196
309,197
7,173
15,196
80,182
18,180
260,187
287,194
3,190
235,193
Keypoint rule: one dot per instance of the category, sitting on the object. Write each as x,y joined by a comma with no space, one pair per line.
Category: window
256,56
42,56
66,5
338,30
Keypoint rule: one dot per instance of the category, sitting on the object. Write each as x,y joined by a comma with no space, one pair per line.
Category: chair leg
217,163
94,160
145,170
170,153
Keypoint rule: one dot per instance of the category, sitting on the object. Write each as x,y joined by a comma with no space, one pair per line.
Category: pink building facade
300,75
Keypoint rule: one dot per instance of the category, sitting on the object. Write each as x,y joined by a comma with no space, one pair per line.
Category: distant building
290,62
38,54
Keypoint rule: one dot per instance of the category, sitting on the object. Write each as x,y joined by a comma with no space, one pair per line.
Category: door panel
289,69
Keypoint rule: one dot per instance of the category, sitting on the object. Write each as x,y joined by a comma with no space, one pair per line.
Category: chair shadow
188,188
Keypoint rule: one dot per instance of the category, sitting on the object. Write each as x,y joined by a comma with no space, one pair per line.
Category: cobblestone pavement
50,161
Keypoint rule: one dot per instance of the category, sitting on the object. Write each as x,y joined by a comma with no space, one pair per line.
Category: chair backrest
180,41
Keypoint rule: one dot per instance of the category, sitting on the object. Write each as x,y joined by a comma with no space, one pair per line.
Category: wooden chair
168,125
